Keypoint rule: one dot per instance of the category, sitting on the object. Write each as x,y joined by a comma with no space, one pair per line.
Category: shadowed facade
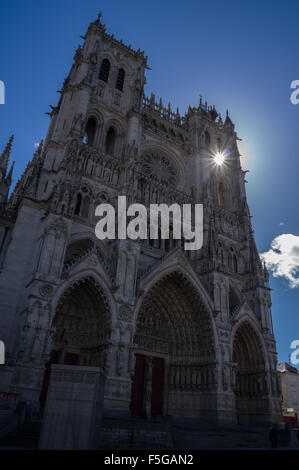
181,334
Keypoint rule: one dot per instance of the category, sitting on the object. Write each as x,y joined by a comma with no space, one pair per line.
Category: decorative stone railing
149,104
116,172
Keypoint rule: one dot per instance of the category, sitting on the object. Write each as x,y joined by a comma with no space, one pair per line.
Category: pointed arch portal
81,328
251,387
175,350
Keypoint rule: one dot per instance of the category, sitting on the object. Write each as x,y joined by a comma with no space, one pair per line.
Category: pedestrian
273,437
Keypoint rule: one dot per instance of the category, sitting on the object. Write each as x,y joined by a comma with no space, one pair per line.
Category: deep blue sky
241,55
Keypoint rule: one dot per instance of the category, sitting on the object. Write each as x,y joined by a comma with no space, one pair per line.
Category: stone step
207,439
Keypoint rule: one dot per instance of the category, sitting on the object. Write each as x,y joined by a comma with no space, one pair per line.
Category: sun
219,158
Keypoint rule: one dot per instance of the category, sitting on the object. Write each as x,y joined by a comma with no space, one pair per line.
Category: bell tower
101,97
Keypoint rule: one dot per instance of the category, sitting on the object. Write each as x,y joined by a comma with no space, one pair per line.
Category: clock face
159,168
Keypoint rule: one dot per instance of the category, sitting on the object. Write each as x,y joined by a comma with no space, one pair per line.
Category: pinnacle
4,158
9,176
227,119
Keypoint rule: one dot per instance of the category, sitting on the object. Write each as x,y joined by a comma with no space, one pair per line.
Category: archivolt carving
252,381
82,322
174,322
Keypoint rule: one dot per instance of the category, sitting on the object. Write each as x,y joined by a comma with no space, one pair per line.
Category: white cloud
281,223
36,144
283,258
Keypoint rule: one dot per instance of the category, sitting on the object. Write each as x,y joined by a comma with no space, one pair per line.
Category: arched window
235,264
207,139
230,259
110,141
90,131
233,300
105,69
220,254
120,79
78,204
85,207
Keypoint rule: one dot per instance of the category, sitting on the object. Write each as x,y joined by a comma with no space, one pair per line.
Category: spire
212,237
5,157
228,119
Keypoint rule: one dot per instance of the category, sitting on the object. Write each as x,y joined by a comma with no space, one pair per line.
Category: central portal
147,386
175,352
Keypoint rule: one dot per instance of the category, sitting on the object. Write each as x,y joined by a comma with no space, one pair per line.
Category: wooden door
138,386
157,386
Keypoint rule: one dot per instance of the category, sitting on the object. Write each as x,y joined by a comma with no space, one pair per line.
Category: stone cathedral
186,334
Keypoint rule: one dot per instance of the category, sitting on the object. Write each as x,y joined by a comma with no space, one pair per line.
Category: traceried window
105,69
233,300
207,140
159,168
110,141
78,204
83,201
120,79
90,131
85,207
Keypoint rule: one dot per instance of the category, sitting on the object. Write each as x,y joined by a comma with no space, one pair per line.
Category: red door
157,386
138,386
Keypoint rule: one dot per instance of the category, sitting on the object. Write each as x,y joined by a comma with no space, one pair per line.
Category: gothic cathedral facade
178,333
